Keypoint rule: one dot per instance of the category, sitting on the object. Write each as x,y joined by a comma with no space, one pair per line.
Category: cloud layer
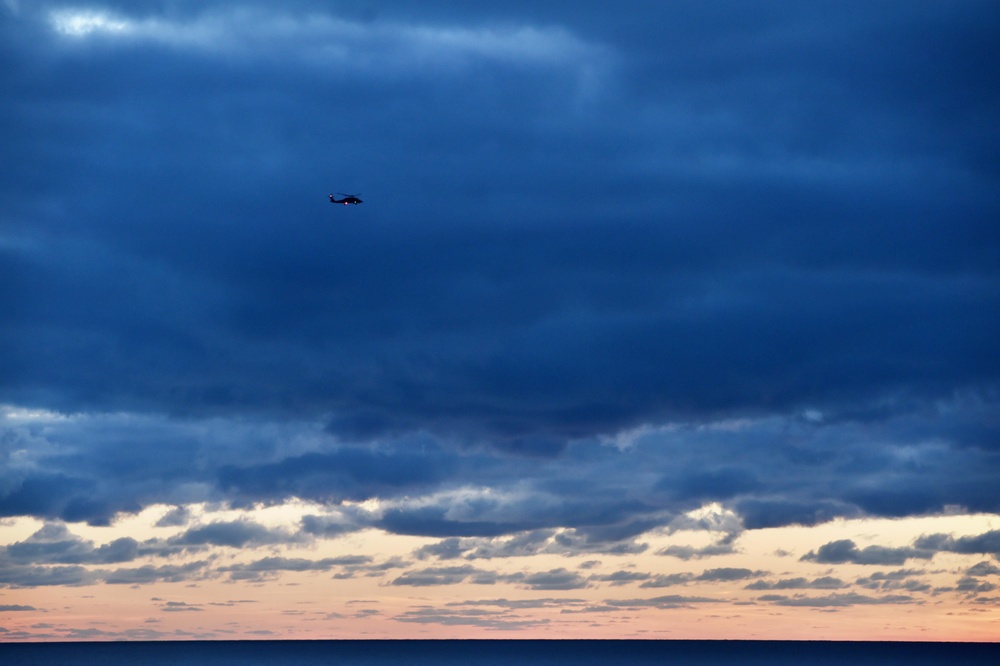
611,268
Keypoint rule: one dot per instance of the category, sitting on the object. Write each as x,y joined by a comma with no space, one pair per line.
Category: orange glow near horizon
709,599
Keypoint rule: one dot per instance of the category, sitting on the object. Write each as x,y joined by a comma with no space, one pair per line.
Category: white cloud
712,517
82,23
331,41
16,415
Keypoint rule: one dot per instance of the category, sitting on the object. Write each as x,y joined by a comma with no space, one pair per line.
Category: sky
659,319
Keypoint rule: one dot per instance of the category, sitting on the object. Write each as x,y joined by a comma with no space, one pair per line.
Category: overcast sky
622,272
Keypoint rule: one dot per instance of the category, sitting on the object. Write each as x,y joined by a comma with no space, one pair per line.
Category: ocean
496,652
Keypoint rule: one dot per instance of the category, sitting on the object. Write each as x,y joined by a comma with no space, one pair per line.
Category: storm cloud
611,267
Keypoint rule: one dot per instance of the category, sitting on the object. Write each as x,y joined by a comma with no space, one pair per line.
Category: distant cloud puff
846,551
836,600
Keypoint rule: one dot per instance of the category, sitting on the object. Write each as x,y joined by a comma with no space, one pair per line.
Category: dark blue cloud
144,575
845,550
666,601
578,223
53,544
555,579
823,583
836,600
983,569
754,281
234,534
902,579
727,574
439,576
44,495
349,473
988,542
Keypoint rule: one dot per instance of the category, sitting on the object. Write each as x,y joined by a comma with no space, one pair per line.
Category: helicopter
348,199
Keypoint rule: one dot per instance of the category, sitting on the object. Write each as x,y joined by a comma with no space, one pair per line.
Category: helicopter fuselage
348,199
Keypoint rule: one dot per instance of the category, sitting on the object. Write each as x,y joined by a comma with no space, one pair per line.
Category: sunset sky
659,319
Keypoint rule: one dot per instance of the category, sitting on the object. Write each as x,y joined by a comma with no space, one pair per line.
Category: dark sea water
513,652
